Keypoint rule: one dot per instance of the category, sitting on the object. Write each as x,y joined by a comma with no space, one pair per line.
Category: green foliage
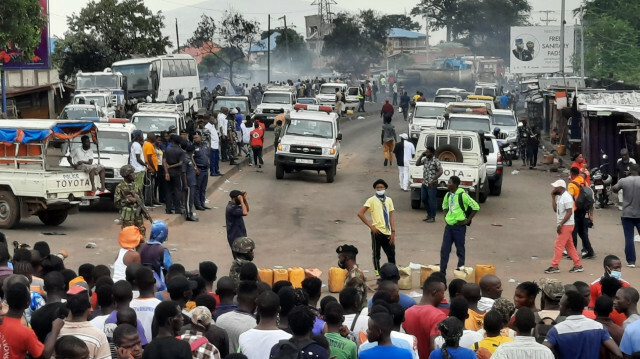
235,34
359,40
219,64
291,52
108,31
612,40
442,14
20,24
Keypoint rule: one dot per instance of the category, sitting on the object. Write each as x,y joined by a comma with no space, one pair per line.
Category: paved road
300,220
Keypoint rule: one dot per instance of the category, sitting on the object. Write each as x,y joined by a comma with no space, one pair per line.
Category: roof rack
160,107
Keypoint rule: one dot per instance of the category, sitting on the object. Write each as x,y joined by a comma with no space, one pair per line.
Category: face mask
341,265
615,274
380,192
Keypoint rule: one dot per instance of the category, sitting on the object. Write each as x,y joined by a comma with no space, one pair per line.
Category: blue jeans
628,225
452,235
429,196
214,159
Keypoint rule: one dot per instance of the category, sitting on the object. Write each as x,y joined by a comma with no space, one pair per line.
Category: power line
223,11
547,20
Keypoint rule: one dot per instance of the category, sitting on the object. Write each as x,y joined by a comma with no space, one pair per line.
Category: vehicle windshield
447,92
469,124
100,81
137,76
328,90
311,128
279,98
428,112
113,141
153,124
70,113
353,91
231,104
98,100
485,91
440,99
307,101
504,120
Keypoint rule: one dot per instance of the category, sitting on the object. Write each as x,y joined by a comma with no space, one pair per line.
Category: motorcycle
601,182
508,149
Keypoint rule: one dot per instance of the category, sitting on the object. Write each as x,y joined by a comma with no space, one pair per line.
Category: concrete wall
30,78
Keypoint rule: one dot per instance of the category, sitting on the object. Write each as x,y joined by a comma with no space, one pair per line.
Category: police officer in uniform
242,249
127,199
201,158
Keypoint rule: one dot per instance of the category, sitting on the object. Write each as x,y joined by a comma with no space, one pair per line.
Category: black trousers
174,193
581,229
378,241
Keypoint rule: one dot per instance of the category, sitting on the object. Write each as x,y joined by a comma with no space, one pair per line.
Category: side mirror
339,137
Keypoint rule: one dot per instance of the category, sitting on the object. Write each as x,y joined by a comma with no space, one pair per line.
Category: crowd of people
149,307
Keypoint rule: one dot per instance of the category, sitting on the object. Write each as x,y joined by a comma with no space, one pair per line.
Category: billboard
536,49
41,59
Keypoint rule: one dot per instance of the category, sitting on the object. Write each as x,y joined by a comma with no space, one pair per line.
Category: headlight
512,134
328,151
283,148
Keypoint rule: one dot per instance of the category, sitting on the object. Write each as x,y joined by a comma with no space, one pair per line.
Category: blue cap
159,231
137,133
519,41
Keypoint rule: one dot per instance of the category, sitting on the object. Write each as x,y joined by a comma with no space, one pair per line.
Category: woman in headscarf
451,329
129,240
154,254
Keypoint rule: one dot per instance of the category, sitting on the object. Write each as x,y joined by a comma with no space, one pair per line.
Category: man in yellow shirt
382,226
582,218
151,159
493,339
475,321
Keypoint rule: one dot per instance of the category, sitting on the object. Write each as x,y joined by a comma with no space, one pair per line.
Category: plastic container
425,272
280,274
484,269
336,279
296,276
312,272
465,273
406,278
562,149
266,275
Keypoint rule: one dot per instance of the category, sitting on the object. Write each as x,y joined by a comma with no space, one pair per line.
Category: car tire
331,174
495,188
448,153
279,171
9,210
53,218
482,198
415,203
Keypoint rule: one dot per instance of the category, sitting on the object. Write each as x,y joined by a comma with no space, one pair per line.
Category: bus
155,77
99,83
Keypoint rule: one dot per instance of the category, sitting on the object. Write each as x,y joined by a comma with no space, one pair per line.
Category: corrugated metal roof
402,33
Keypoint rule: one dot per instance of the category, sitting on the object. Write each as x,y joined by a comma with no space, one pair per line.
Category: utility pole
268,49
286,40
562,39
582,10
426,41
177,38
4,88
547,20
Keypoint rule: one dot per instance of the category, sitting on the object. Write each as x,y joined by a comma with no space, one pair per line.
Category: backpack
290,350
585,199
467,211
542,328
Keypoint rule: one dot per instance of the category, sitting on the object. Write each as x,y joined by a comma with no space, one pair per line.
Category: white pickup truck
32,182
462,154
275,99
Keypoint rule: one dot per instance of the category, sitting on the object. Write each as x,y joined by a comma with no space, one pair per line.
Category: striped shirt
95,339
522,348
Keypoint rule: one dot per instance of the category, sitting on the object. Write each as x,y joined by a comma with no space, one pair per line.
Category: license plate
85,202
599,186
302,160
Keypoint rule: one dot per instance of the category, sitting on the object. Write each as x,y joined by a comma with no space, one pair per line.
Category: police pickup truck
275,99
32,182
158,117
461,153
311,141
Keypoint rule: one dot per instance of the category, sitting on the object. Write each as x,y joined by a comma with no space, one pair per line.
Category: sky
186,12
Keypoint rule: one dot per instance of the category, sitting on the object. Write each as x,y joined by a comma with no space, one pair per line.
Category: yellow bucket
336,279
561,149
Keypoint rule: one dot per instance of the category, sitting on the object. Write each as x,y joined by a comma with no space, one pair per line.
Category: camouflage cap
126,170
243,245
552,288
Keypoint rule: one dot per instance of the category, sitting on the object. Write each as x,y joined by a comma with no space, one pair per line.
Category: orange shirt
149,149
574,191
583,169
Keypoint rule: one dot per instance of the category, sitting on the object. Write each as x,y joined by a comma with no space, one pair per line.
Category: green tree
108,31
442,14
235,33
612,40
218,64
291,51
20,25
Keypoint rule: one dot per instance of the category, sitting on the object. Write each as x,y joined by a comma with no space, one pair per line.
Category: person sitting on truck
180,97
82,158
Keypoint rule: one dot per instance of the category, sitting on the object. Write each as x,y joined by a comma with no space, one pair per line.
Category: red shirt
257,136
19,339
387,109
422,322
596,290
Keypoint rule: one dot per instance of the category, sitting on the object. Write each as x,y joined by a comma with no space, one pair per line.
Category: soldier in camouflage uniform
355,276
242,249
125,200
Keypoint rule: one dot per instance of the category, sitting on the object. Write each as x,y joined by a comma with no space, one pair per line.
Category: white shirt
246,133
215,139
485,304
469,337
98,321
564,203
409,151
256,343
144,308
136,149
522,348
401,340
395,88
79,154
222,124
362,324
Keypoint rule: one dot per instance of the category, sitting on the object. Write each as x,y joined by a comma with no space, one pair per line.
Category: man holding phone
562,204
